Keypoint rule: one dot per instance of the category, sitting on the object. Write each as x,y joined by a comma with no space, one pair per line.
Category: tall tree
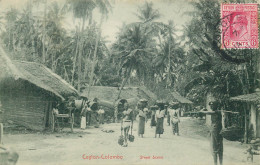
82,9
134,48
104,8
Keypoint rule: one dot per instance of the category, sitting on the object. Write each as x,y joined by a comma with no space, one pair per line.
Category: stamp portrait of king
239,28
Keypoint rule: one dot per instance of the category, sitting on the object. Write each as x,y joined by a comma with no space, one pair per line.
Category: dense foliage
146,52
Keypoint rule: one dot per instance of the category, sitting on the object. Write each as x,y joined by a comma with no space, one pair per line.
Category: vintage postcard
129,82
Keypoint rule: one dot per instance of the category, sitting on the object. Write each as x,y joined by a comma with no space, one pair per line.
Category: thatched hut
252,108
28,92
185,104
108,96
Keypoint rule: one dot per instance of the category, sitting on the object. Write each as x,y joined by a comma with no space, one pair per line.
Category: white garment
126,124
174,114
83,122
101,111
141,113
160,114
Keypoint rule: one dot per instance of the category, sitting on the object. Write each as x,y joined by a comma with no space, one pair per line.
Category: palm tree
44,32
11,16
147,13
163,32
104,7
82,9
134,49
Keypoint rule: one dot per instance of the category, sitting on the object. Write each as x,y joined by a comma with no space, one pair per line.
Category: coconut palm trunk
95,54
124,82
44,33
81,46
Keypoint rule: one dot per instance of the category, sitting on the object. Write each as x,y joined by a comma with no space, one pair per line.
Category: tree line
145,53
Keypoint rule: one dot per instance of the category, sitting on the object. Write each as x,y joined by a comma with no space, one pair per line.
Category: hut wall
24,104
253,117
258,123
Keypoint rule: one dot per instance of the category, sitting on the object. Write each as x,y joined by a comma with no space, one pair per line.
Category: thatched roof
111,93
175,96
253,97
36,74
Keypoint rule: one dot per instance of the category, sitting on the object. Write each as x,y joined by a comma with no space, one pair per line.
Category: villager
168,114
159,121
146,111
88,114
83,116
101,113
153,110
216,139
94,114
175,118
141,122
127,123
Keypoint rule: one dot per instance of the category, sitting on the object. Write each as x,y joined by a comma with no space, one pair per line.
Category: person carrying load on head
142,118
175,118
153,110
160,113
127,123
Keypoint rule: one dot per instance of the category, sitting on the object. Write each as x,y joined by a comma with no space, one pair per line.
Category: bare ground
93,146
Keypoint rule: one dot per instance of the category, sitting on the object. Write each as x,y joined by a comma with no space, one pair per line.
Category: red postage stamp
239,28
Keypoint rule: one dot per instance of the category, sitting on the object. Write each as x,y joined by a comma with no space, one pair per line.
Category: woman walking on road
175,118
153,110
141,123
159,123
83,114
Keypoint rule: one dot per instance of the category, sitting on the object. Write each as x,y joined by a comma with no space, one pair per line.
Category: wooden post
1,133
245,135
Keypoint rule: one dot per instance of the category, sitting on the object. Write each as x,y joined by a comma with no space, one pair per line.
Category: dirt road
93,146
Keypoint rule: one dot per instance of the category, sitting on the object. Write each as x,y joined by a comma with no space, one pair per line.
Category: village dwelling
29,91
108,98
252,102
185,104
110,95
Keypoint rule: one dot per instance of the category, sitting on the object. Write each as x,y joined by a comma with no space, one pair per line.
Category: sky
123,12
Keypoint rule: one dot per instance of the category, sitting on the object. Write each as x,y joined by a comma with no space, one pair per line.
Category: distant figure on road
216,139
175,118
88,114
141,123
153,110
83,116
167,114
159,121
101,113
127,122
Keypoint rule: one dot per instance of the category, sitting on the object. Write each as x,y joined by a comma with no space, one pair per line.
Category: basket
232,133
131,138
121,140
7,156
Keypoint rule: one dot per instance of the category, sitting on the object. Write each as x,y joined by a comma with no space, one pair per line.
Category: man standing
216,139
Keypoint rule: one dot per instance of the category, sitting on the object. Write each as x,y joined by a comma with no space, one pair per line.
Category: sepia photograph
129,82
